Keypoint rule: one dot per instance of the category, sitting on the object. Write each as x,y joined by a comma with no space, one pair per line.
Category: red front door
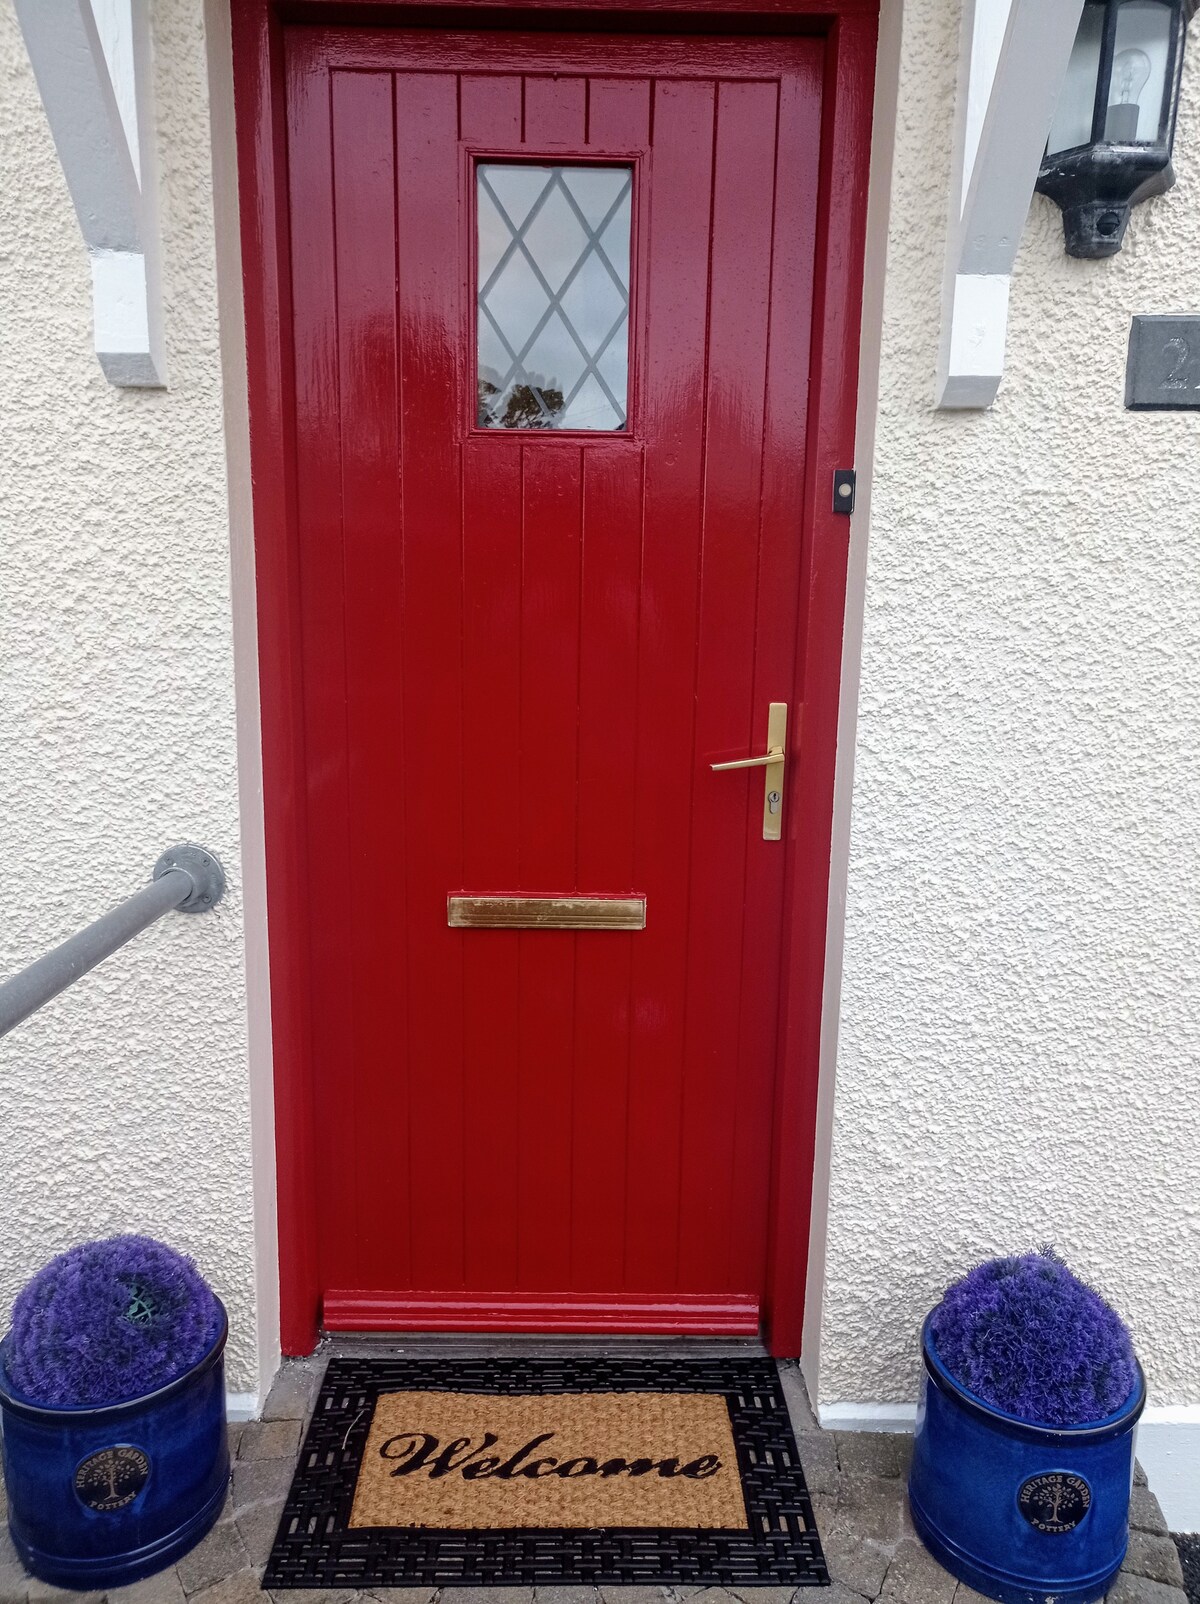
551,316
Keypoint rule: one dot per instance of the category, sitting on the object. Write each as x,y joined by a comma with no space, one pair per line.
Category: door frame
849,29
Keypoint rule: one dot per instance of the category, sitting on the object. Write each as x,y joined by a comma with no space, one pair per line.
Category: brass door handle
773,761
750,762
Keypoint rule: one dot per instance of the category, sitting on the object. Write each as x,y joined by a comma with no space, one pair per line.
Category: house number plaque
1163,370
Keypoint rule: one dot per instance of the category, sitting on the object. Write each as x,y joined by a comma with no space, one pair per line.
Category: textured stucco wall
124,1104
1019,1056
1020,1018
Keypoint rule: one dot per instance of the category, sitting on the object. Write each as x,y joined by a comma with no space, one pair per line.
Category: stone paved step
857,1480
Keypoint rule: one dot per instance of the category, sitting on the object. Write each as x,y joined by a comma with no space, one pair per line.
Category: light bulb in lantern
1130,74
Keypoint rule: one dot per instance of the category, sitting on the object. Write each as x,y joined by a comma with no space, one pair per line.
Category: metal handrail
189,879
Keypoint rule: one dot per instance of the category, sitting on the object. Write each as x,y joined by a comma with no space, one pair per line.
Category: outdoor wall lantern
1110,142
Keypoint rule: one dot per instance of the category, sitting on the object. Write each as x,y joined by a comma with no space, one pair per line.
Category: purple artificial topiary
108,1321
1029,1338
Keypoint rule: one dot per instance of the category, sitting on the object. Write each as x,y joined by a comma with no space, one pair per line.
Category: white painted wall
1019,1048
125,1103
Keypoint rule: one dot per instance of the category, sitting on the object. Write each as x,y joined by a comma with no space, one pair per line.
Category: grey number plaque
1163,371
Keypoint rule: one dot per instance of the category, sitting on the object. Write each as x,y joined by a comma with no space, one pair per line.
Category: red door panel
522,651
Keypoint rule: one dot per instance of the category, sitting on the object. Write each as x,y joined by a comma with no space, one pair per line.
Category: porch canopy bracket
1012,65
92,62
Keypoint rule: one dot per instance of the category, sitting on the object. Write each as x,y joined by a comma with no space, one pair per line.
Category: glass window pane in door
553,296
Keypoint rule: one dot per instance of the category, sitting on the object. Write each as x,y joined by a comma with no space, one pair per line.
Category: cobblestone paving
856,1480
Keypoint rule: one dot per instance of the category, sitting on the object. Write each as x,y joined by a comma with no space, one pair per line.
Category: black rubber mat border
316,1547
1189,1558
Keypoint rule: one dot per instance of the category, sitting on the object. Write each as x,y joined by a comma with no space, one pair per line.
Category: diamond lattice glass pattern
553,296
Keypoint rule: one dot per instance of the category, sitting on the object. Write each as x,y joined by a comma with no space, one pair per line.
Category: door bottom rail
682,1314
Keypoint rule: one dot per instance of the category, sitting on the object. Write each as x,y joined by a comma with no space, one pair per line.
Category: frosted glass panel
1141,51
1072,123
553,296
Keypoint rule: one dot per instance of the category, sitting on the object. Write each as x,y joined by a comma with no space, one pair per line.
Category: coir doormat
516,1472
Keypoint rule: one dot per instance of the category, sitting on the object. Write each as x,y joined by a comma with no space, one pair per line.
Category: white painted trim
94,73
1168,1446
875,265
241,1406
977,330
116,40
868,1416
121,313
244,598
1014,56
977,73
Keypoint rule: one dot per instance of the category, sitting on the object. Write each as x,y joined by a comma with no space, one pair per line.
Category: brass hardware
546,913
772,763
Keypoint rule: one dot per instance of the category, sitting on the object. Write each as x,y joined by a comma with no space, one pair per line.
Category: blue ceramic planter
101,1497
1022,1513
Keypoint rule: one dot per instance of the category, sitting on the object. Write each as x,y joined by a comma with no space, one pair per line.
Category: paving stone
257,1527
634,1595
825,1512
838,1593
8,1554
315,1595
551,1595
270,1439
243,1588
233,1435
221,1553
1130,1589
165,1588
760,1595
294,1390
13,1584
967,1595
44,1594
1155,1557
260,1481
871,1506
510,1595
796,1396
860,1564
401,1595
1145,1514
915,1577
1139,1475
819,1461
873,1453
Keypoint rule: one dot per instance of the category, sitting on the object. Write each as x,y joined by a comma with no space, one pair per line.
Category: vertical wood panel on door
523,649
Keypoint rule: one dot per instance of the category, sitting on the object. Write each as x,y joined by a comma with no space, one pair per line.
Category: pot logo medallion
112,1478
1054,1502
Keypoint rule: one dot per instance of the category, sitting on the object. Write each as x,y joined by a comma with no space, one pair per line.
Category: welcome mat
519,1472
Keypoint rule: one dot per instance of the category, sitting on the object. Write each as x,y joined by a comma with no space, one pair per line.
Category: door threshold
388,1344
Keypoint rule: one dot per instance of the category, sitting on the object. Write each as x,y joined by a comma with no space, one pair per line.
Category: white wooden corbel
1014,59
92,62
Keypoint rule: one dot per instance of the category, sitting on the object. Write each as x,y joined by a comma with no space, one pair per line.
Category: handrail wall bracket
207,876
